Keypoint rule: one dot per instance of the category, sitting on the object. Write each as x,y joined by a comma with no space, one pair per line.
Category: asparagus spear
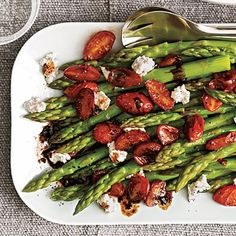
93,63
222,181
57,102
61,83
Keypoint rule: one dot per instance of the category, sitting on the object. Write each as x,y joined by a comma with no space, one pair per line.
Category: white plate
67,41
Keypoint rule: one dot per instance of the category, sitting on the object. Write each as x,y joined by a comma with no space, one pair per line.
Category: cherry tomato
73,90
194,127
123,77
165,201
85,103
167,134
221,141
98,175
137,188
226,195
210,103
99,45
144,153
159,94
134,103
126,140
117,190
106,132
171,60
82,73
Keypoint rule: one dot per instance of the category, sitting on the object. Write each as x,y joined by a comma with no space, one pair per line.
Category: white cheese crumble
108,203
116,155
234,119
141,172
127,129
105,72
142,65
181,94
197,187
129,176
62,157
234,181
34,105
101,100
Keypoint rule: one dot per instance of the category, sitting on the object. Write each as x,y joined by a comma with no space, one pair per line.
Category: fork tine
138,41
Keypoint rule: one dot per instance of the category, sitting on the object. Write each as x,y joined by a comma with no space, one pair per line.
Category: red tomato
137,188
134,103
170,60
194,127
159,94
221,141
126,140
81,73
106,132
210,103
123,77
226,195
144,153
167,134
98,175
117,190
73,90
85,103
99,45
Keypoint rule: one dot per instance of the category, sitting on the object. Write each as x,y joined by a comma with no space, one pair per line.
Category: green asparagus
61,83
57,102
222,181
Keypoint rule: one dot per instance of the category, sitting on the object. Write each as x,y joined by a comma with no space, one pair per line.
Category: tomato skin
73,90
106,132
85,103
117,190
167,134
221,141
170,60
144,152
159,94
98,175
210,103
82,73
99,45
134,103
126,140
137,188
124,78
194,127
226,195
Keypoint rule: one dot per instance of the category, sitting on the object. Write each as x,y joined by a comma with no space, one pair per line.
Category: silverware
154,25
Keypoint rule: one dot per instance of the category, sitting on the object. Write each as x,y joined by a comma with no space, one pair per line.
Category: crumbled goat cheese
101,100
127,129
62,157
116,155
141,172
234,181
197,187
105,72
108,203
142,65
234,119
181,94
34,105
129,176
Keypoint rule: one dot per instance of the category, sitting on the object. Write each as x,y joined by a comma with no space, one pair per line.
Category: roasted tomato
226,195
99,45
106,132
126,140
210,103
194,127
221,141
137,188
167,134
73,90
117,190
123,77
85,103
159,94
144,153
82,73
165,201
98,175
170,60
134,103
127,207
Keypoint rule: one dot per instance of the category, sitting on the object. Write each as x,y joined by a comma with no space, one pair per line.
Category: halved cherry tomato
167,134
126,140
98,175
117,190
165,201
137,188
99,45
106,132
134,103
171,60
159,94
194,127
221,141
85,103
73,90
123,77
144,153
210,103
82,73
226,195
